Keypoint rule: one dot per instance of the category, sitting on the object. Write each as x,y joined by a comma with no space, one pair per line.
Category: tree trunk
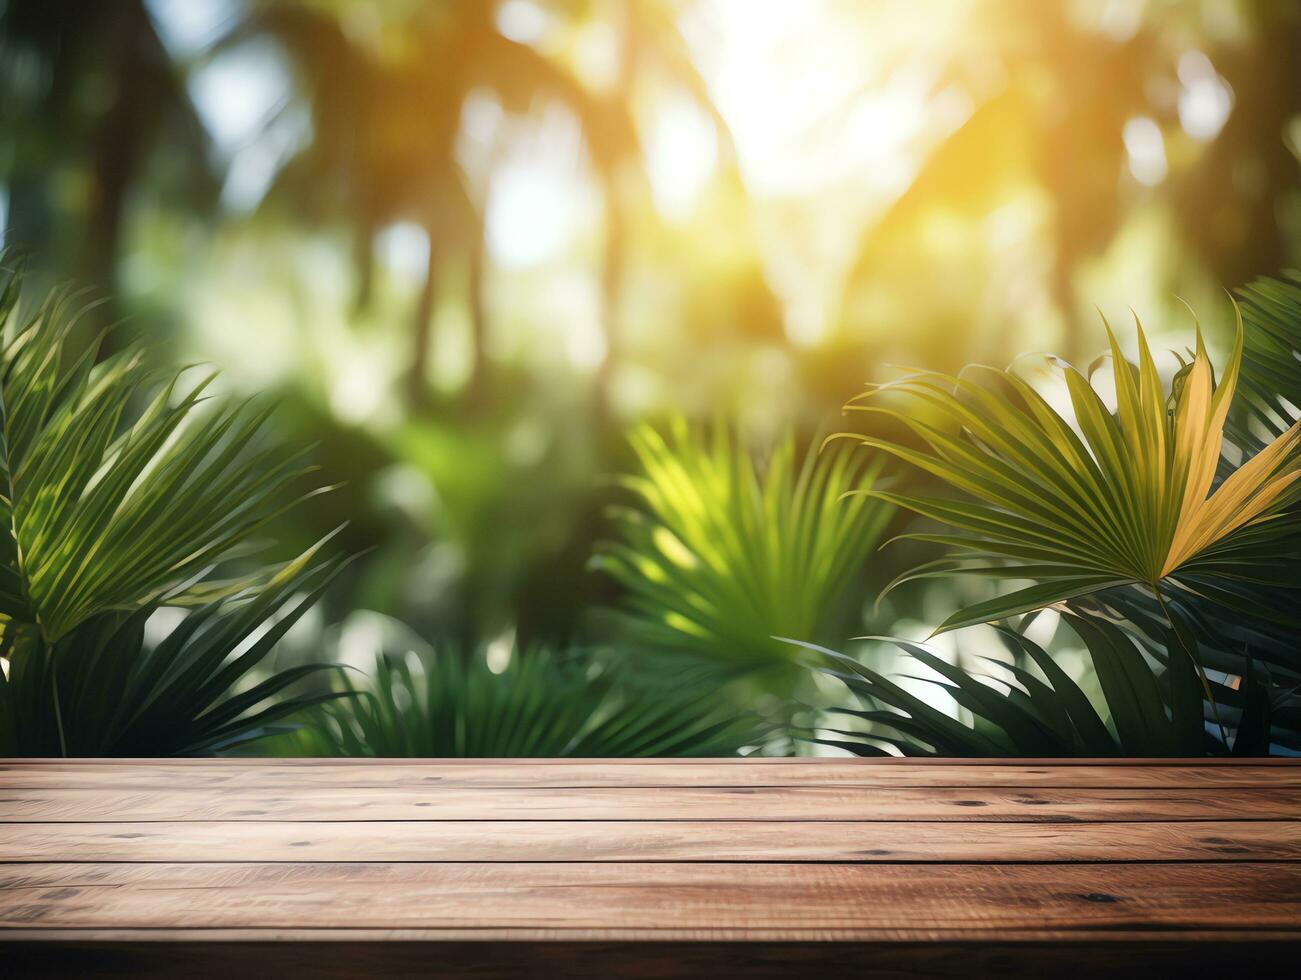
364,262
421,331
614,255
115,157
478,388
612,276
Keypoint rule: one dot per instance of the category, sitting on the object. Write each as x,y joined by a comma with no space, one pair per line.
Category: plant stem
1201,671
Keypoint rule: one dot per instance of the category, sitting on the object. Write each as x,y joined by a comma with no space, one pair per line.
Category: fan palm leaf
1269,391
115,485
103,689
119,495
1116,499
1148,703
542,703
723,555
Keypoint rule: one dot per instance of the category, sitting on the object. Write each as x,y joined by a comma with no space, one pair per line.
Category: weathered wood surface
602,868
649,840
752,803
564,774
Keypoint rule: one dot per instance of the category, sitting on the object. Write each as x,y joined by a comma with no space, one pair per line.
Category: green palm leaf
1151,704
119,494
103,690
116,486
724,555
1269,391
541,703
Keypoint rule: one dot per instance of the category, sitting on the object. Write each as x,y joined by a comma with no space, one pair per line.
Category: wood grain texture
649,867
888,901
603,841
813,803
341,773
744,762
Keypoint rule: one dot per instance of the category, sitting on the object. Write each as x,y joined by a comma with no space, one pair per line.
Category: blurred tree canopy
471,240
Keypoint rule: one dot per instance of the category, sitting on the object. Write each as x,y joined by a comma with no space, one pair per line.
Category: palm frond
541,703
1269,390
103,689
723,555
1104,500
116,488
1151,704
119,494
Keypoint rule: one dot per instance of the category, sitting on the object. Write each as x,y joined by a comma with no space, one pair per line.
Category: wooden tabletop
757,866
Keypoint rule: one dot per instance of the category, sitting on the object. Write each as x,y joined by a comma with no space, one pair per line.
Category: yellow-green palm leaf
725,554
1113,498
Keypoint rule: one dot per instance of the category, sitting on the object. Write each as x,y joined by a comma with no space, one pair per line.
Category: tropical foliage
1126,500
107,689
1151,703
417,701
1166,533
119,495
725,555
1270,386
469,245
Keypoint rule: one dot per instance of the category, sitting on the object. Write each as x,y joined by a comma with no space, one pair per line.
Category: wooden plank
215,773
764,866
755,841
1198,762
178,803
261,937
924,902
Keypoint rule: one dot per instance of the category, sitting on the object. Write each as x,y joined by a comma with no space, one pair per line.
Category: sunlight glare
354,395
681,155
237,91
1146,149
522,21
187,27
237,95
404,248
500,652
534,213
1206,99
772,60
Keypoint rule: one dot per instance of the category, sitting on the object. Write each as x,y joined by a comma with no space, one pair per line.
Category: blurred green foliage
468,244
